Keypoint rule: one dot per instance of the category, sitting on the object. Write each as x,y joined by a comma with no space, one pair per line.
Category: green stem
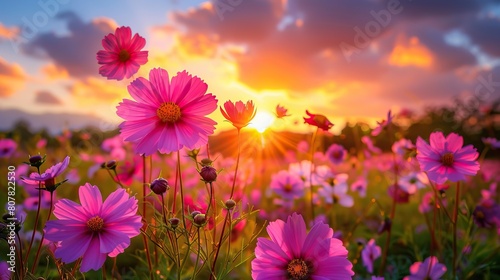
311,169
43,233
144,215
455,217
35,226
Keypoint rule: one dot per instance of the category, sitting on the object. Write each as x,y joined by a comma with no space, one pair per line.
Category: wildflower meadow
165,195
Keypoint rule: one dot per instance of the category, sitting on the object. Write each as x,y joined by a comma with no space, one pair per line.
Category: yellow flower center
169,112
123,56
95,224
297,269
447,159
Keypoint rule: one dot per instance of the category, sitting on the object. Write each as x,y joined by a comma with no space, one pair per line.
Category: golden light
262,121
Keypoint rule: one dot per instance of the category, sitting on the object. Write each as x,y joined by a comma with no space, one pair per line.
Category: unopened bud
174,222
111,164
159,186
200,219
208,174
36,161
230,204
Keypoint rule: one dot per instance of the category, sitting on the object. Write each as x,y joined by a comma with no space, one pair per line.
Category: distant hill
53,122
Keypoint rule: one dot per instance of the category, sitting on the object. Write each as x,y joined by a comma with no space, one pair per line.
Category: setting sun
262,121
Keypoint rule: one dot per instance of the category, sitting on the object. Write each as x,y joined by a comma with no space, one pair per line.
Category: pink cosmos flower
369,254
239,114
383,124
318,120
281,112
292,253
336,154
48,178
413,181
371,148
167,116
122,55
7,147
403,147
287,185
301,169
360,185
94,229
445,159
429,269
333,187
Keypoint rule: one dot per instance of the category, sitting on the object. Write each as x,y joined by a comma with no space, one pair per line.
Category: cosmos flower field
158,200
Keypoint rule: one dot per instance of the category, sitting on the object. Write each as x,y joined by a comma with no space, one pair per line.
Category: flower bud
159,186
111,164
36,161
230,204
174,222
200,219
194,213
206,162
208,174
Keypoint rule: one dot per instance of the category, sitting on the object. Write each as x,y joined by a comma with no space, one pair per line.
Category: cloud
54,72
75,52
12,78
93,90
46,97
484,33
8,32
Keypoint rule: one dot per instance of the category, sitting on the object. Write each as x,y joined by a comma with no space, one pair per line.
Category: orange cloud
411,53
8,32
97,90
53,72
12,78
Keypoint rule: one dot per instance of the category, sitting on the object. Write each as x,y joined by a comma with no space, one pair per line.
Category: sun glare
262,121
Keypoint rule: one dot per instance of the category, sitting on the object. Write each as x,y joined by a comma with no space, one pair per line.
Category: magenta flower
318,120
167,116
48,178
94,229
7,147
336,154
370,253
445,159
122,55
383,124
430,269
287,185
292,253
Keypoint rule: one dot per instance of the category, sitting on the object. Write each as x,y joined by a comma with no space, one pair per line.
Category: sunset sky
348,60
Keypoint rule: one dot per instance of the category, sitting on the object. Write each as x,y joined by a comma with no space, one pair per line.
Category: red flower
281,112
238,113
318,120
